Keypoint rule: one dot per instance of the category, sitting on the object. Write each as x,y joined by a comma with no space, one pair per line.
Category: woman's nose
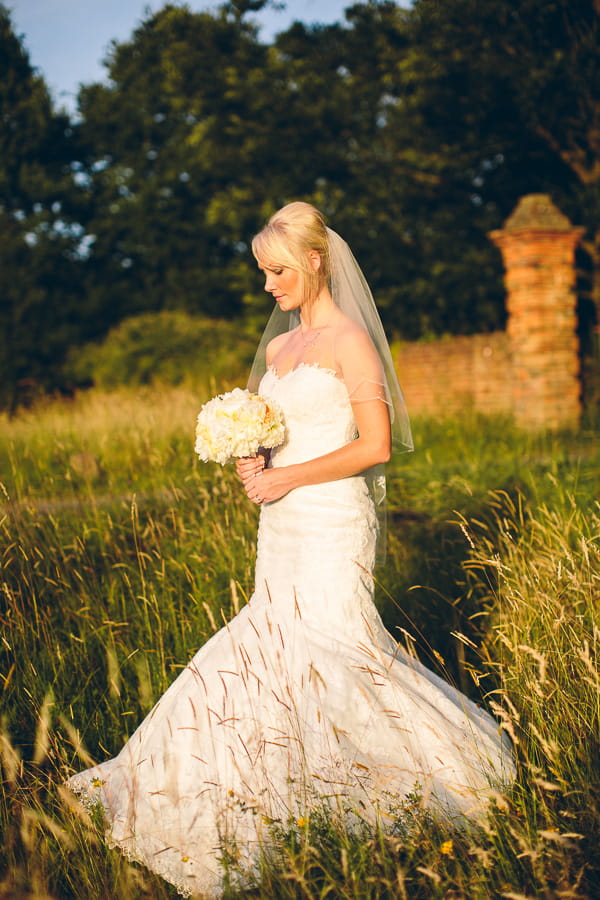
269,284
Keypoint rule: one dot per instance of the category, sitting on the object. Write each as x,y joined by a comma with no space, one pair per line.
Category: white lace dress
303,700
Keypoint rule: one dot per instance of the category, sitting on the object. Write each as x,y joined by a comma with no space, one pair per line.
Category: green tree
39,251
203,131
170,144
506,98
401,204
200,133
460,108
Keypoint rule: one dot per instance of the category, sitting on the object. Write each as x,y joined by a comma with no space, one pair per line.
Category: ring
258,500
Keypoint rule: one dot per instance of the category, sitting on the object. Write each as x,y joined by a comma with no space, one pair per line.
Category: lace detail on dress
303,365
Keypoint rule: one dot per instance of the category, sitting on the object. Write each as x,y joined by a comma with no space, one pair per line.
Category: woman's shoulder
277,342
356,356
351,336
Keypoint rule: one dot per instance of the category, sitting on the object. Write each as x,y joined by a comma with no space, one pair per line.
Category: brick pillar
538,248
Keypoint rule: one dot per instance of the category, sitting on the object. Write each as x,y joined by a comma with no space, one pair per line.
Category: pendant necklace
310,342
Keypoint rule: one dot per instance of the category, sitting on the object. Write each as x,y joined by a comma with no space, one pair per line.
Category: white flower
237,424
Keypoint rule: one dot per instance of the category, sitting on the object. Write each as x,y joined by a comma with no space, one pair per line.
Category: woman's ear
315,259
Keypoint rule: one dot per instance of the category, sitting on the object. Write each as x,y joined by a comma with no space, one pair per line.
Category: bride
303,701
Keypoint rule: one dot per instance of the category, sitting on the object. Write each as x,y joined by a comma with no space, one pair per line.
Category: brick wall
450,374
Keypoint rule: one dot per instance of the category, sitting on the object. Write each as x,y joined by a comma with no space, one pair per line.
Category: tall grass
121,554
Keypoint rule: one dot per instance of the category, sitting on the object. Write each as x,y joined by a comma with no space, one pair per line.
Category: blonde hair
288,238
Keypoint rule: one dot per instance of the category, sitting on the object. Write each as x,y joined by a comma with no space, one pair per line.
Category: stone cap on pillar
536,214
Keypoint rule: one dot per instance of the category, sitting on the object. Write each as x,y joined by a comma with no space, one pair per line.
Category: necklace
308,344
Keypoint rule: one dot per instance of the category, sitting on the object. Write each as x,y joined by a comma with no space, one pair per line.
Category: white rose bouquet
237,424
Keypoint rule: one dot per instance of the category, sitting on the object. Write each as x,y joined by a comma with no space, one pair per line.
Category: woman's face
285,285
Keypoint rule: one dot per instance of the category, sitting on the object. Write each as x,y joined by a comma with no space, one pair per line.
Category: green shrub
165,347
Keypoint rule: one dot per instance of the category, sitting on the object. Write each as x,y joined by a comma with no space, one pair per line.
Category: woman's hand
262,485
270,484
248,467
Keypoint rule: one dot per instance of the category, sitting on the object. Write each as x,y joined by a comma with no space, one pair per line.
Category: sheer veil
353,296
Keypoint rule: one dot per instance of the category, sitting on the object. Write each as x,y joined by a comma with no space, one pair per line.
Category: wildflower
230,792
447,848
301,822
185,859
97,782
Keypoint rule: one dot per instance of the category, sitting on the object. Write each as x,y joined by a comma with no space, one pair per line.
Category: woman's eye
277,271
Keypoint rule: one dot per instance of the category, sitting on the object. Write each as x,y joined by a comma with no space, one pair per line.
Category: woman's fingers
267,486
249,477
250,469
250,464
255,487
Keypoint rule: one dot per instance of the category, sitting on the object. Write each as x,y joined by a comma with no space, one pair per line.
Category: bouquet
237,424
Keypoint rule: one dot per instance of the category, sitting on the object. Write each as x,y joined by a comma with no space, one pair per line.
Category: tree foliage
168,347
415,130
512,92
200,133
165,143
38,250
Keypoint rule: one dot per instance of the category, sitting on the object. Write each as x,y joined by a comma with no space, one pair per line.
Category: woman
303,701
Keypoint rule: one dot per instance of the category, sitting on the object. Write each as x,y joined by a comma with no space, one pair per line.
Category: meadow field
121,554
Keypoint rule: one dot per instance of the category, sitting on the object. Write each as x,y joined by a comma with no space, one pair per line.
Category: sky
68,39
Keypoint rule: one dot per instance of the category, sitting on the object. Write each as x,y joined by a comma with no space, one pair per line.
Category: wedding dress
303,700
